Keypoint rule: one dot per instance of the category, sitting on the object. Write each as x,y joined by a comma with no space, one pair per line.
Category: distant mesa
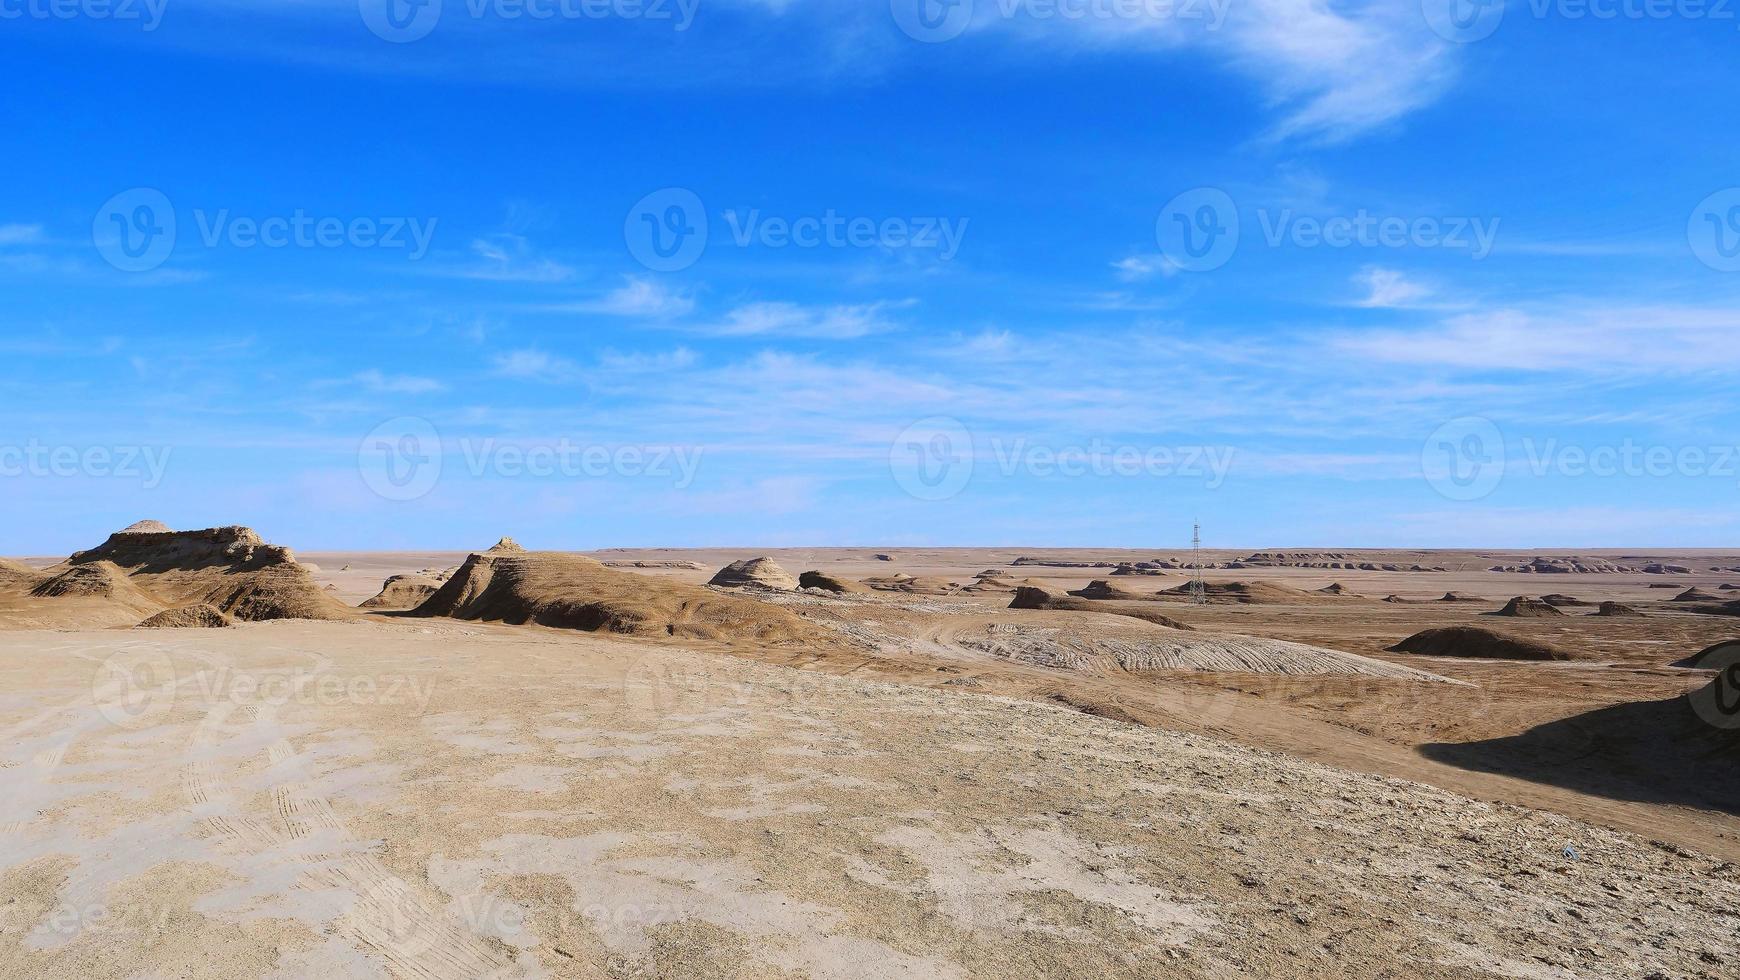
1473,641
1099,588
1695,594
992,573
914,585
1336,588
1728,587
1032,597
660,563
1560,600
1615,609
1528,607
831,583
1244,593
1459,597
754,573
199,616
1662,585
566,591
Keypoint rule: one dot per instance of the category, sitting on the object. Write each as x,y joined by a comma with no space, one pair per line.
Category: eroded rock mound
762,573
914,585
97,580
227,567
1459,597
506,546
1696,594
1528,607
403,592
1562,601
831,583
1615,609
17,575
1032,597
1099,588
147,527
1245,593
1336,588
200,616
1472,641
571,592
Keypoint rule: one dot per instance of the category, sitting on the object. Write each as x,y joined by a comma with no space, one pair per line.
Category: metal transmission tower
1198,591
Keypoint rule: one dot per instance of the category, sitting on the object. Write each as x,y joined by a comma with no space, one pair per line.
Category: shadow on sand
1672,751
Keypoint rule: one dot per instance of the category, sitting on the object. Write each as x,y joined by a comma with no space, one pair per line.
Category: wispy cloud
1387,288
534,365
843,322
20,234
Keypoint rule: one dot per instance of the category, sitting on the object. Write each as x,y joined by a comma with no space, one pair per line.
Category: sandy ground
952,789
407,798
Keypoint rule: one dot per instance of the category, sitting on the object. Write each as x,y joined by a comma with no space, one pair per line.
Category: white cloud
399,384
1575,338
635,297
1386,288
534,365
817,322
506,257
20,234
1136,268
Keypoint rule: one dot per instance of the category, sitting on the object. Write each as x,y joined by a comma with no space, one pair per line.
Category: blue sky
1482,291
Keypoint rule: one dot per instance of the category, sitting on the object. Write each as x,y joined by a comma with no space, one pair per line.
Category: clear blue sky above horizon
1537,350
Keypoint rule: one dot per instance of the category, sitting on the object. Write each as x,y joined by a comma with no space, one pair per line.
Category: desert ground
912,763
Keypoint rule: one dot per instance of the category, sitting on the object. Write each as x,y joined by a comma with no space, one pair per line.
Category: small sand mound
1472,641
506,546
17,575
1245,593
1336,588
763,573
992,573
570,592
403,592
1615,609
1727,587
831,583
1695,594
914,585
1562,601
1032,597
201,616
1718,657
1528,607
228,567
1459,597
147,527
98,580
